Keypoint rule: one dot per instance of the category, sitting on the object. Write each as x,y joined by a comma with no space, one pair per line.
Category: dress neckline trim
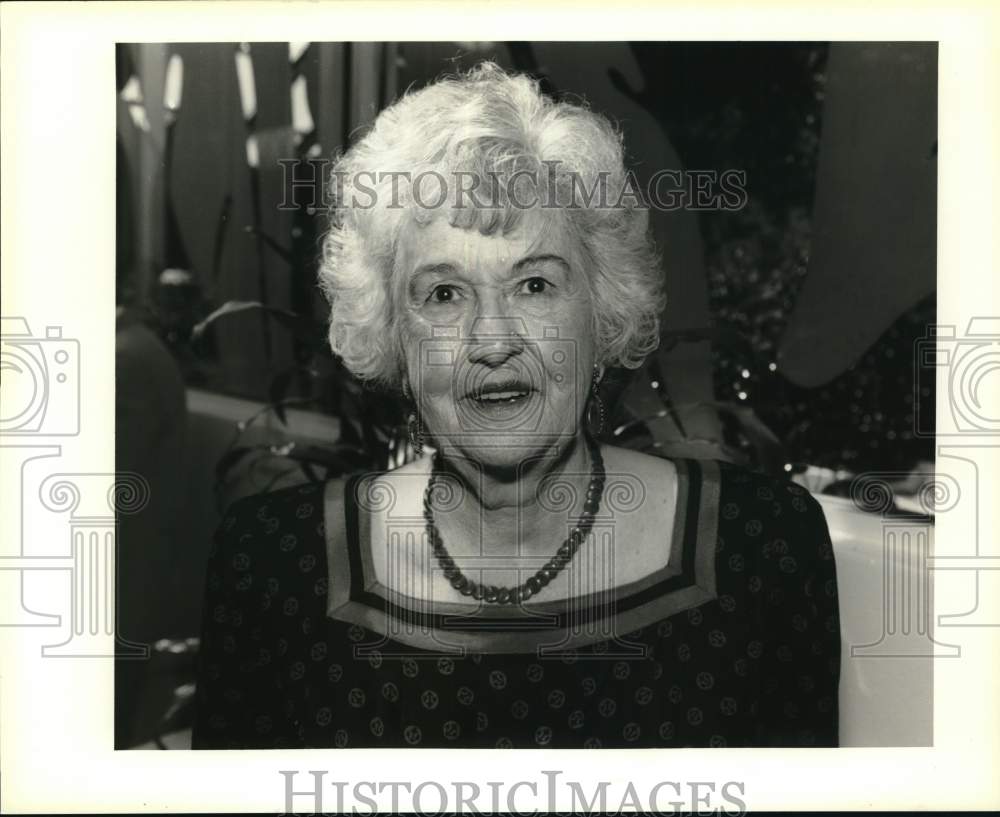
404,623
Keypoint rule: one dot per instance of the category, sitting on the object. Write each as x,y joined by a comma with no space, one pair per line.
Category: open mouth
491,398
494,400
498,394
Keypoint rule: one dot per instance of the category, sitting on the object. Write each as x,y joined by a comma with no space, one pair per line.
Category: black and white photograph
521,394
383,381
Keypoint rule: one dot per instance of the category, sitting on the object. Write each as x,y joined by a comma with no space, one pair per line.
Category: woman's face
497,336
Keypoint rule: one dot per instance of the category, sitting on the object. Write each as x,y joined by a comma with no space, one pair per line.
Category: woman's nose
494,339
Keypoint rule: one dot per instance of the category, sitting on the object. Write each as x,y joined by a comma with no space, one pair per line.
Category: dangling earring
413,426
416,433
595,399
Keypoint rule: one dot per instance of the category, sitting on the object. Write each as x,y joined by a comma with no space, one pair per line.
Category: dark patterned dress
736,642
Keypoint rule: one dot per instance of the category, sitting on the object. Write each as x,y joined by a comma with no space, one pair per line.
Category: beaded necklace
534,585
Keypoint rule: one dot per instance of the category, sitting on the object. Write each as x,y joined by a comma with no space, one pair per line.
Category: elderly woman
519,584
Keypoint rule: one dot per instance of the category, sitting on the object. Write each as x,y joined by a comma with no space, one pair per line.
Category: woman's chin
506,449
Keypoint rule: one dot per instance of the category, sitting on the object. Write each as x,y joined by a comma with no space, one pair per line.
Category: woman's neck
502,514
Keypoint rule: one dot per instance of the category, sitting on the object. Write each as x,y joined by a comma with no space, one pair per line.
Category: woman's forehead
437,243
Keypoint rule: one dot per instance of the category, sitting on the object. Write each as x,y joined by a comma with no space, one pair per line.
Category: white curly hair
487,124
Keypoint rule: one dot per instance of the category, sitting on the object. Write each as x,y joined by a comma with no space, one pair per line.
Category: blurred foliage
758,108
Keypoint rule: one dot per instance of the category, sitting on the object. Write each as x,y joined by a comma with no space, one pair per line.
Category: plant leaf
301,327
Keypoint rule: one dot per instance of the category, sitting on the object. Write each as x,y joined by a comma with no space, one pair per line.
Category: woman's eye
535,286
443,294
